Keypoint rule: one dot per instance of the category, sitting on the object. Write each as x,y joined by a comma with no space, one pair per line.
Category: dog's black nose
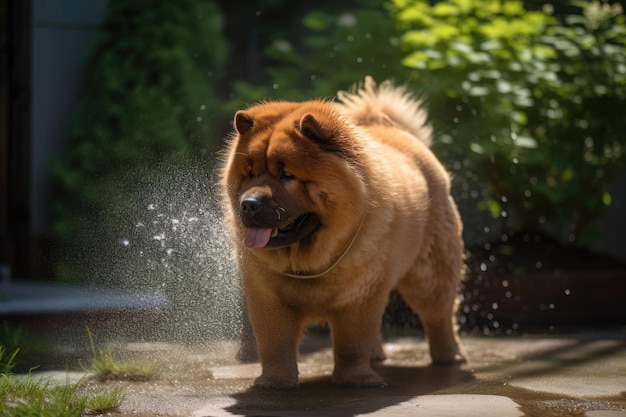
250,206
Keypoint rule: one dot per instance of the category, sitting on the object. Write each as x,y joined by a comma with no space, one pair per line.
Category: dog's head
293,177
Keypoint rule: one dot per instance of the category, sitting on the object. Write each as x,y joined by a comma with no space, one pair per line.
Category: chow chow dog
332,205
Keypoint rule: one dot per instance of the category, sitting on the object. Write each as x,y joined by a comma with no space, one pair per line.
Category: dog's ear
243,122
313,129
328,134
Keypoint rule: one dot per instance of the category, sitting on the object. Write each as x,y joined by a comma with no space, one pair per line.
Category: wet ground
582,374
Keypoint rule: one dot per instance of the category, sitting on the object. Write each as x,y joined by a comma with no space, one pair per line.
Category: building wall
63,32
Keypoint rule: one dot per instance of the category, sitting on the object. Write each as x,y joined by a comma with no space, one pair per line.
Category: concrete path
583,375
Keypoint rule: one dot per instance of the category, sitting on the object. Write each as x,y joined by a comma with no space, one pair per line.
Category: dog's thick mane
368,104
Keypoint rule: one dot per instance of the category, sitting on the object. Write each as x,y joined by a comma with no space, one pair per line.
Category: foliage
328,52
532,104
147,97
27,396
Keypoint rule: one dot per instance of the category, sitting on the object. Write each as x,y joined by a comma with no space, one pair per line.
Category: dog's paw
378,355
362,376
447,358
276,382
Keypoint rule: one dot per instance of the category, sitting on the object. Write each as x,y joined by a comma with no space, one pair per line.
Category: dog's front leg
356,343
277,332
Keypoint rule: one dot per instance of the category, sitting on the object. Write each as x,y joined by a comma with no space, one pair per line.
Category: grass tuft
16,338
31,397
106,367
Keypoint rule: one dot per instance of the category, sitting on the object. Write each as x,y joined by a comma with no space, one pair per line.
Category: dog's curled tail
368,104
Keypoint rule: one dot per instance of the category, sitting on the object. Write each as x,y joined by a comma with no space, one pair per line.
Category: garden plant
532,100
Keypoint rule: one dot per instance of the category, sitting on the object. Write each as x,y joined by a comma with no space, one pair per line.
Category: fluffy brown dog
332,206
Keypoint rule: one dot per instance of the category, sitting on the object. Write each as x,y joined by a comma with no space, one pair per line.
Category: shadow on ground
321,394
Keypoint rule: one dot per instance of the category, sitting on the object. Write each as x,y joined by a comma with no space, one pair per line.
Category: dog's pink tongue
257,237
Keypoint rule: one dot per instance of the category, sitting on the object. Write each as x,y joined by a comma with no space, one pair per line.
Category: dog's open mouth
272,238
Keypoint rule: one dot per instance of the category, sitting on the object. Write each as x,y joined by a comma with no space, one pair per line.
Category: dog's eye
286,176
251,173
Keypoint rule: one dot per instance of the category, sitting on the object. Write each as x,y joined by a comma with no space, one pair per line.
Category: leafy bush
533,105
147,98
327,53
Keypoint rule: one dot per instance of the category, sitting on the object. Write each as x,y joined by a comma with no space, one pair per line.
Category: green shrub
328,52
532,105
147,97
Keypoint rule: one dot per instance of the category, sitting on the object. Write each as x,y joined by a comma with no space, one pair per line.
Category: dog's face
293,177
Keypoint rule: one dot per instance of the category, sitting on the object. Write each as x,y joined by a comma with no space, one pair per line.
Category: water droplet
567,291
494,306
483,267
505,283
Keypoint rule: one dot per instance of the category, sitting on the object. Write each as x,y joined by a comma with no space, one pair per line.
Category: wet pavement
582,374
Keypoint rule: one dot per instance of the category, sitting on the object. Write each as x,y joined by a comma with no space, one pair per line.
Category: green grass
32,397
28,396
30,347
105,366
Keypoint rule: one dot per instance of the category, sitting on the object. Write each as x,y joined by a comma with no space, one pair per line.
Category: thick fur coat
331,206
